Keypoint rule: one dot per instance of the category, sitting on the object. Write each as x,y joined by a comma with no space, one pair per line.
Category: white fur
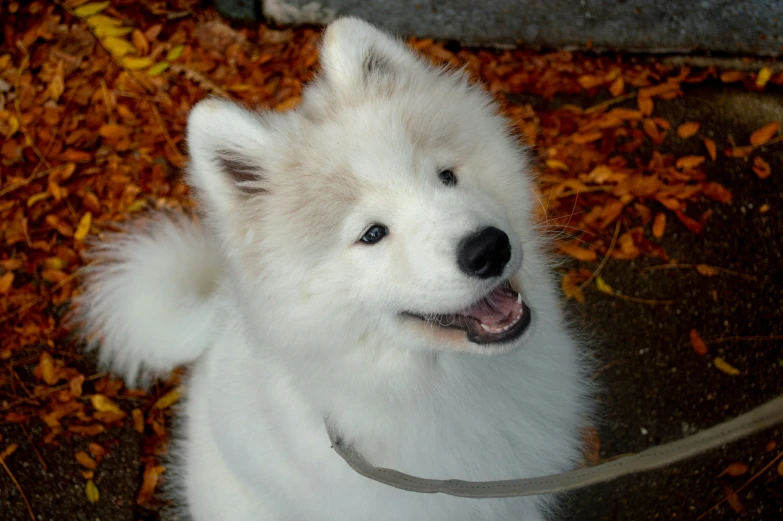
305,322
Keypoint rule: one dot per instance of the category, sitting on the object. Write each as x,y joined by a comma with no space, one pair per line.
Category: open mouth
501,316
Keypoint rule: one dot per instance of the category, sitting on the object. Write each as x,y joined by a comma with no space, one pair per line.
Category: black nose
485,253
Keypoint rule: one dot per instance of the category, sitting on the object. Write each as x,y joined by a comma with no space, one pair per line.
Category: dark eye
447,177
375,234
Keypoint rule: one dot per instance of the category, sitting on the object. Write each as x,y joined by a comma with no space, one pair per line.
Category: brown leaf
659,225
6,280
586,137
732,76
570,284
764,134
690,223
592,445
138,420
689,129
761,168
651,129
617,87
698,344
140,42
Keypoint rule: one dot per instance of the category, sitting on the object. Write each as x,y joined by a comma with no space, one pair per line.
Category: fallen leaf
617,87
690,223
688,129
686,162
707,270
732,76
85,460
659,225
169,399
92,492
113,131
602,286
736,469
717,192
733,500
158,68
118,47
761,168
138,420
780,468
763,77
10,449
592,445
712,150
571,282
698,344
140,42
724,366
83,228
645,105
90,9
175,53
103,404
575,251
764,134
131,63
6,280
149,483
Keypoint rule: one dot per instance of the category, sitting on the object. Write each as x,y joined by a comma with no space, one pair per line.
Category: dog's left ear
353,51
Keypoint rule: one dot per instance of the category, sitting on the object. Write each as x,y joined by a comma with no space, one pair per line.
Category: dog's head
392,207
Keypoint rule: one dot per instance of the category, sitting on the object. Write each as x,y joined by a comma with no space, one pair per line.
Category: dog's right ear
227,145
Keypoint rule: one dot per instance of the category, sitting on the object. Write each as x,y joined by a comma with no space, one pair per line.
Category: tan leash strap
758,419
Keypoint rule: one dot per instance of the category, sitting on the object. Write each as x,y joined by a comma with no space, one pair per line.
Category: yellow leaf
763,77
90,9
602,286
118,47
83,227
158,68
103,32
93,495
101,20
134,64
103,404
556,164
37,198
169,399
726,367
175,53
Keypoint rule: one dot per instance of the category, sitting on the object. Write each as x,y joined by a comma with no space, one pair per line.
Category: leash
758,419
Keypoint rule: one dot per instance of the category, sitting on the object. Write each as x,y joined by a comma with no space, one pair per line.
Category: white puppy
370,257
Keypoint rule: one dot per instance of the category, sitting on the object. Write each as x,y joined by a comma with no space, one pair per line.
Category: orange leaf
113,131
761,168
138,420
589,81
711,148
690,223
764,134
706,270
85,460
780,468
587,137
582,254
103,404
690,161
736,469
617,87
659,225
570,284
149,483
6,280
717,192
77,156
698,344
651,129
731,76
688,129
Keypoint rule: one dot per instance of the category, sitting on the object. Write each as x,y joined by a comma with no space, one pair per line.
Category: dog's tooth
519,298
486,328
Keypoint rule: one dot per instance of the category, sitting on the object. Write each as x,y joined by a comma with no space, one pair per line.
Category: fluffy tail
148,303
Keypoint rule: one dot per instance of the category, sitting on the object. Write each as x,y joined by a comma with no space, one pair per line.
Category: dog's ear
227,145
354,51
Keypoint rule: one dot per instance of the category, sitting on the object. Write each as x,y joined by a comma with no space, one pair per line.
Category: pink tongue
497,308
